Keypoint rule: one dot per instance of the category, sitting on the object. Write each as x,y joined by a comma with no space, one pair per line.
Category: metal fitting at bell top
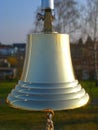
47,4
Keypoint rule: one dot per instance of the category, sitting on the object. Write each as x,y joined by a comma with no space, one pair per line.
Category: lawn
85,118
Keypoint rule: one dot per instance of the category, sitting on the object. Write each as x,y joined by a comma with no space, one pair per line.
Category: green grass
85,118
91,88
5,88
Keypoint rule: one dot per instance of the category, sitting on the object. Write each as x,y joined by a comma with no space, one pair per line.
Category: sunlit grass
5,88
91,88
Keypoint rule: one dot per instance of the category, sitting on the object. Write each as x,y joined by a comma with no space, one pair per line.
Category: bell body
48,79
48,59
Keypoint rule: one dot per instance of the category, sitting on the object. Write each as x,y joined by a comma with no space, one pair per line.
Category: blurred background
78,18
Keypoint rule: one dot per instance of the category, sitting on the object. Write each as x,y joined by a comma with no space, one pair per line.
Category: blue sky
16,19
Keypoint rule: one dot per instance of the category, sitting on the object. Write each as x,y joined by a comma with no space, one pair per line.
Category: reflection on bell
48,79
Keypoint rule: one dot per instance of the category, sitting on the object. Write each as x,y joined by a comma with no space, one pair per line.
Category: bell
48,79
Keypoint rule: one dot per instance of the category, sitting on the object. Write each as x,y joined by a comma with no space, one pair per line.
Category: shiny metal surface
48,59
47,4
48,79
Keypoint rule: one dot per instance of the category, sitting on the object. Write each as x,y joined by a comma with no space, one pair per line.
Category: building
19,48
6,71
12,55
6,50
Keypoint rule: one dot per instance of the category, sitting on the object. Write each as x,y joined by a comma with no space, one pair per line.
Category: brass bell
48,79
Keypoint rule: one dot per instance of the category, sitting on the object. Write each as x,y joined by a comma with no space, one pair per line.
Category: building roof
19,45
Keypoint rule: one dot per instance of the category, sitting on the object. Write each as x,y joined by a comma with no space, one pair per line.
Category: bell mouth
29,96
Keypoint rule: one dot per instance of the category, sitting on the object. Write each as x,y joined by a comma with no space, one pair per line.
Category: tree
66,16
38,24
90,16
